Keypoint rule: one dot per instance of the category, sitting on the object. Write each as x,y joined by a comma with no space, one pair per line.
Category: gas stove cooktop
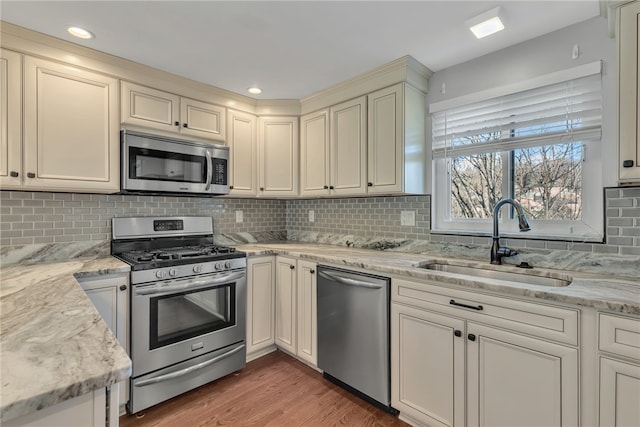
165,257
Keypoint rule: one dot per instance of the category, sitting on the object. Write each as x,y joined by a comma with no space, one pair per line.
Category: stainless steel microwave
158,164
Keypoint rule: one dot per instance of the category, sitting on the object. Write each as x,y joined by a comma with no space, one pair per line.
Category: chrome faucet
497,252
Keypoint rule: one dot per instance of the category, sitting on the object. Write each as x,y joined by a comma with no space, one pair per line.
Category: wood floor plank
274,390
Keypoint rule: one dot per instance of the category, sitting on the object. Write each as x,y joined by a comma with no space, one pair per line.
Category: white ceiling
291,49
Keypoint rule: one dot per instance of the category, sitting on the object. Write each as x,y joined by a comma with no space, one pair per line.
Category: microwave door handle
207,154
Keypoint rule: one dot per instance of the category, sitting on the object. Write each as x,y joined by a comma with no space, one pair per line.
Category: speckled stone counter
586,289
53,343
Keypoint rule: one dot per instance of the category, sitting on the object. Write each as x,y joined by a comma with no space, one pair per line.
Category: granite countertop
603,292
54,344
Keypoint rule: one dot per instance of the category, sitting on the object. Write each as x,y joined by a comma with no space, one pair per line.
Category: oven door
176,320
152,163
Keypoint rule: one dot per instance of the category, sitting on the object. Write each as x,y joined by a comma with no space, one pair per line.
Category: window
536,142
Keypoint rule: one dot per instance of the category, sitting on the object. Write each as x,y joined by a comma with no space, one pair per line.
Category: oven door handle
188,370
207,154
197,284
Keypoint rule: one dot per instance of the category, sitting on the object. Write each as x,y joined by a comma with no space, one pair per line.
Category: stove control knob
219,266
173,272
227,264
160,274
197,269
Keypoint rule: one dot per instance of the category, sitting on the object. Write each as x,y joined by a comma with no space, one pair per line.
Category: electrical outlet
239,216
408,218
312,216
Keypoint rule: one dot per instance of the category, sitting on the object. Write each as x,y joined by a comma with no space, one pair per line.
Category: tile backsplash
35,218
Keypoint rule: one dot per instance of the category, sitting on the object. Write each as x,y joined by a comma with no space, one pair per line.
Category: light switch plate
408,218
239,216
312,216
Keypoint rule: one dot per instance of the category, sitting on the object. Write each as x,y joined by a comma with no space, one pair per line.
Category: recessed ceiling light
254,90
80,32
486,23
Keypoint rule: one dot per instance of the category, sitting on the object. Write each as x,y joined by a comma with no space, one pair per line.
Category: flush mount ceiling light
486,23
80,32
254,90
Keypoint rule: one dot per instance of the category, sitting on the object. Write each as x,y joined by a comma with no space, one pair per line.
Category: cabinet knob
471,337
457,333
331,187
326,187
14,174
231,187
176,123
185,125
261,188
369,184
292,267
31,175
627,163
312,271
123,287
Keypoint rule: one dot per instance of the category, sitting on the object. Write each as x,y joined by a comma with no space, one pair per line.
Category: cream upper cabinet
314,154
243,153
10,119
307,322
71,131
261,281
278,156
457,356
629,92
348,147
396,144
156,109
286,304
619,347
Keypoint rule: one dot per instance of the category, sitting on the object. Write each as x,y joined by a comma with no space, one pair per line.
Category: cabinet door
516,380
427,366
278,156
286,302
260,305
384,140
348,147
619,393
71,131
152,108
307,321
314,154
202,119
243,153
629,85
10,119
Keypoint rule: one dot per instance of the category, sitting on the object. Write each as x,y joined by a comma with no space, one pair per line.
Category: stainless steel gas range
188,303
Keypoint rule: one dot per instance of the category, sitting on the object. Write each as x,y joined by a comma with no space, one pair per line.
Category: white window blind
559,111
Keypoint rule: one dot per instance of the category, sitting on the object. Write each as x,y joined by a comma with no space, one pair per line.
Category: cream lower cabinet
71,136
156,109
619,364
278,162
110,295
296,315
628,87
260,306
243,154
460,358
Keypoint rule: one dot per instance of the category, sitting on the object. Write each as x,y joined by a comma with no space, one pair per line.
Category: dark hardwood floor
275,390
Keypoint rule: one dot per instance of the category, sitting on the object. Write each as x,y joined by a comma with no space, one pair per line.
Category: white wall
545,54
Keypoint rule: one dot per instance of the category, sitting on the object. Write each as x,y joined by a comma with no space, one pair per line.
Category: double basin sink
501,272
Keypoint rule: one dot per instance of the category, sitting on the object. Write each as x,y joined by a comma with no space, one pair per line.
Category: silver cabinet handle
188,370
349,281
192,284
209,169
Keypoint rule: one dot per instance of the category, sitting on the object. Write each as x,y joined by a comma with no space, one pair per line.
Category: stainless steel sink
524,276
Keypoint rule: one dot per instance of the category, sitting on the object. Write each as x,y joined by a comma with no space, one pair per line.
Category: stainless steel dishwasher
353,332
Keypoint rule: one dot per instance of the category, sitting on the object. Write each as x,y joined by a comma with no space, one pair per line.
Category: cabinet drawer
619,335
549,322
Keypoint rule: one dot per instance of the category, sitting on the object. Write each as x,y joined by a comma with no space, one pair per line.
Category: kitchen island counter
54,345
604,292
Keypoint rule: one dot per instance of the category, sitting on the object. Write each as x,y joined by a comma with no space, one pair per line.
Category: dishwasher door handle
349,281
